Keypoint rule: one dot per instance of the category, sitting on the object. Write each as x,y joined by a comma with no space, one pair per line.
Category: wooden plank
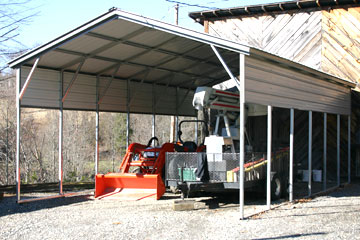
302,37
311,53
273,30
340,31
344,63
283,35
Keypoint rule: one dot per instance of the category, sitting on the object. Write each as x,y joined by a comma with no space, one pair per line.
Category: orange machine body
146,182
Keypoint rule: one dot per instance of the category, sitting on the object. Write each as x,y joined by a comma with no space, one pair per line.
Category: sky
57,17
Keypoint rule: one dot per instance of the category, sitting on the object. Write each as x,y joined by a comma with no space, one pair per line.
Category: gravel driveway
336,216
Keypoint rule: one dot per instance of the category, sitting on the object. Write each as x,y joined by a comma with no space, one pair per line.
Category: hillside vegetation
40,138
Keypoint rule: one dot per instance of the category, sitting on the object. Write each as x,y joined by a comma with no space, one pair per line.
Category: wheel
174,189
135,170
276,187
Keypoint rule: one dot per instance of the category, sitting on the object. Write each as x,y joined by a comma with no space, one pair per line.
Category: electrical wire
191,5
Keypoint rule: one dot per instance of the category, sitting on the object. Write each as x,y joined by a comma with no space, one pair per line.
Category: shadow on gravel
231,200
8,205
292,236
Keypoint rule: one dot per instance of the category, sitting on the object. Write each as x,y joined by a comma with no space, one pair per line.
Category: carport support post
291,153
153,110
177,116
61,134
128,115
310,153
242,137
338,150
268,175
97,128
325,152
18,121
349,148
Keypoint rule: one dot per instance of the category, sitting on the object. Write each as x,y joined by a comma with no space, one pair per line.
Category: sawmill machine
222,149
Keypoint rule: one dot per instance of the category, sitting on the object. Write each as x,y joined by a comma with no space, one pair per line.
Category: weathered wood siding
293,36
325,40
269,83
341,43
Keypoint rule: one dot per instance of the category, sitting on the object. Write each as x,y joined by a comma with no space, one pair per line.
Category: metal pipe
291,165
153,126
28,79
268,172
18,122
349,148
177,115
338,150
72,81
196,129
325,152
153,110
61,134
227,69
97,127
241,134
310,153
176,128
128,115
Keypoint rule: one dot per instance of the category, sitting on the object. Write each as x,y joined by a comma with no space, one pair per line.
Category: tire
135,170
276,187
174,189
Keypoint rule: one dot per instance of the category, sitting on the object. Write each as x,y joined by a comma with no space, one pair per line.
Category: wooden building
322,34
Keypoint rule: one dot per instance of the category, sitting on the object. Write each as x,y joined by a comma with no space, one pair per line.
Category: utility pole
173,121
177,14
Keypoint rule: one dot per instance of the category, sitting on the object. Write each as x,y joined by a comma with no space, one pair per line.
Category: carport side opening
246,87
269,151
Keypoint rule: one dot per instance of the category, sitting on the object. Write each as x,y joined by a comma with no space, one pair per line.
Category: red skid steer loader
142,169
140,173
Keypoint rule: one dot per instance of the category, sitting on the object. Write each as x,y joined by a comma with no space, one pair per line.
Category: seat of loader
186,147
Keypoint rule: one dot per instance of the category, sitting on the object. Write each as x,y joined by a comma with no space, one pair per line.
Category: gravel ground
335,216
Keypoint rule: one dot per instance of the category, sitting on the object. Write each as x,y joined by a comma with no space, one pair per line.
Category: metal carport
122,62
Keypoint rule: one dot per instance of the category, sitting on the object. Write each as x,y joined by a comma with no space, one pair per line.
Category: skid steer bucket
129,185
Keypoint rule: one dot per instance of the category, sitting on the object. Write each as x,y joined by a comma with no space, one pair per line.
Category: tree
13,15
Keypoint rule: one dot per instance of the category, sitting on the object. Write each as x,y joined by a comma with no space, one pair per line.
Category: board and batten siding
293,36
268,83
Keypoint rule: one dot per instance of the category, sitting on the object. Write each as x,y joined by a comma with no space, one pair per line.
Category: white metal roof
141,63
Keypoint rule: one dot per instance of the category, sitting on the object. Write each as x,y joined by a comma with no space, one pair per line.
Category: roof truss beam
156,48
72,81
236,81
28,79
129,63
109,83
104,48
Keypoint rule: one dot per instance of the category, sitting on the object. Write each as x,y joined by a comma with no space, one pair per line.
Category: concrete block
183,205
